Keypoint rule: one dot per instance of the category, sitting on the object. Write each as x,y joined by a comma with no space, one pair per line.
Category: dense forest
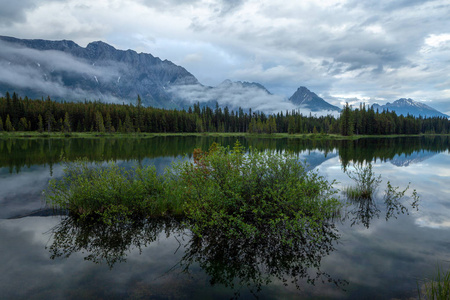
23,114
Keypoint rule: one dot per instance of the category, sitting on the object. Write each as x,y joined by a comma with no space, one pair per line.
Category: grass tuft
437,288
366,183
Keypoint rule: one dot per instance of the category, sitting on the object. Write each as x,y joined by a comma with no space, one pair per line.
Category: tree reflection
256,262
238,263
107,243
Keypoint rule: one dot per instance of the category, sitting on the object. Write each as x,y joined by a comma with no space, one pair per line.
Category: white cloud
234,95
437,40
377,49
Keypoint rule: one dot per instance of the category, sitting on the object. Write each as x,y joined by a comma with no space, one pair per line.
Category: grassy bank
35,134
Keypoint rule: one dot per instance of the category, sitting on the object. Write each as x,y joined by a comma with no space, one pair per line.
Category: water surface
372,256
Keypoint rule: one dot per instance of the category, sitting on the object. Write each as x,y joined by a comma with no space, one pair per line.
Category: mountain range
64,70
405,106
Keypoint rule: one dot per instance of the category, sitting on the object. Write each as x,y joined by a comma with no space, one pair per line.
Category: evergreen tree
23,124
8,124
139,119
67,127
100,126
346,121
108,123
40,124
272,125
128,124
49,120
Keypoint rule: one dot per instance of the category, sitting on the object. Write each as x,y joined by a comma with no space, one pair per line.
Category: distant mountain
304,98
64,70
404,160
405,106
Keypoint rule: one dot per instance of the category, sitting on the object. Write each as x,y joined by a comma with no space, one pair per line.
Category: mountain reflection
237,263
16,154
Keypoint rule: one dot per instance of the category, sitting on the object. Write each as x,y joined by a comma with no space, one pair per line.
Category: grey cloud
357,47
218,7
14,11
167,3
228,6
297,38
386,5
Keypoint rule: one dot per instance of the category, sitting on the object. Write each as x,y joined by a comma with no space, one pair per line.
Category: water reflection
364,200
239,263
16,154
107,243
381,262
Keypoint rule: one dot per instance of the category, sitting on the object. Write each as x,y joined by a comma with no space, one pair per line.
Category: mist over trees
24,114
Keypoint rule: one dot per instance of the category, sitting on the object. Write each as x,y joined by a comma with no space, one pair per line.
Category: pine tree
67,127
108,123
346,121
23,124
1,124
8,124
128,125
139,119
100,126
272,125
40,124
49,120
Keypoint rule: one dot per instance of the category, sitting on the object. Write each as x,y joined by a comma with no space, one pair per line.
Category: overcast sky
355,50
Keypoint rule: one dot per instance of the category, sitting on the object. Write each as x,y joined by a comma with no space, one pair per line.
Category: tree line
46,115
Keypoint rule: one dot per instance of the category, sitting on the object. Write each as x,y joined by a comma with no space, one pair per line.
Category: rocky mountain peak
98,71
303,97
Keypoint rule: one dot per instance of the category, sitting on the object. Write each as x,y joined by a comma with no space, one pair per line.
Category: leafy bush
239,192
109,192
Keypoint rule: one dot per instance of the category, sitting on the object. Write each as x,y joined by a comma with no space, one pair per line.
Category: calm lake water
373,256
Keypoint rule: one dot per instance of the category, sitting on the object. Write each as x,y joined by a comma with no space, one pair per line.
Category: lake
373,250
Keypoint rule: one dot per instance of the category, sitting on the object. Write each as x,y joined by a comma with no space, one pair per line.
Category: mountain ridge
64,70
99,70
405,106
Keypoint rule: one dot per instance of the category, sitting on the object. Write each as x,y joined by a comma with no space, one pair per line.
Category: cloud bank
376,50
40,70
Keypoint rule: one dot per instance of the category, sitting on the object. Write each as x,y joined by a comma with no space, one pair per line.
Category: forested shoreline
24,114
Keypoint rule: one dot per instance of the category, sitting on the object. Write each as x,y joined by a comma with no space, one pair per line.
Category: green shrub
240,193
108,191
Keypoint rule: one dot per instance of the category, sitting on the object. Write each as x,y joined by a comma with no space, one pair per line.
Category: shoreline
309,136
